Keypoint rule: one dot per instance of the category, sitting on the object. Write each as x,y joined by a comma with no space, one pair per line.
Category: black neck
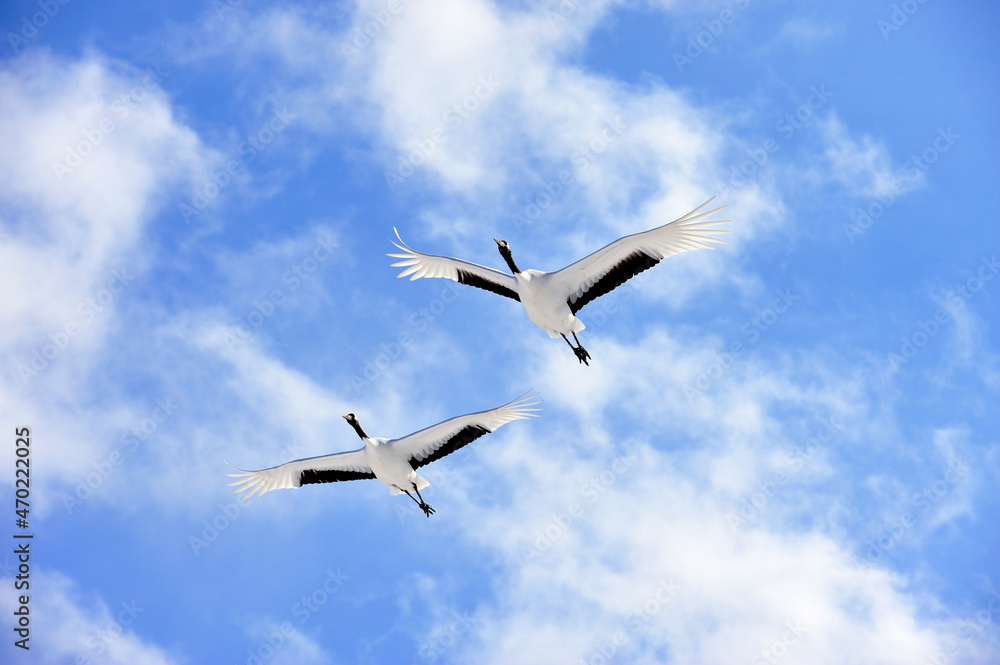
357,428
510,263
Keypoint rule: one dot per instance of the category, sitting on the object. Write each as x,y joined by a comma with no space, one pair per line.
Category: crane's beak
497,242
347,417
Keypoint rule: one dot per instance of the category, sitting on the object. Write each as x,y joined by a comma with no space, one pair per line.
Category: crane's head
353,422
507,256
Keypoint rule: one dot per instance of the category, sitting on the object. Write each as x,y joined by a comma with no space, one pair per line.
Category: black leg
580,346
424,506
581,353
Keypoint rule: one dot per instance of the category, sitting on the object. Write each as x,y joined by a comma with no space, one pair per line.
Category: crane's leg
584,356
424,506
581,353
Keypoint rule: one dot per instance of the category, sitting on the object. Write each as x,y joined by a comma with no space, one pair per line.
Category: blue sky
784,450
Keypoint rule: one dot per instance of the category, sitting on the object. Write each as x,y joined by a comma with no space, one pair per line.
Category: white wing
427,265
435,442
324,469
608,268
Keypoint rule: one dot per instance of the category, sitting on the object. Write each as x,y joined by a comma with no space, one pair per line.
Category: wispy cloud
69,628
864,166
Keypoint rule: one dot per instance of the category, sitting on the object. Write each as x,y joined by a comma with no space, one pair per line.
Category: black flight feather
465,436
311,476
475,280
623,271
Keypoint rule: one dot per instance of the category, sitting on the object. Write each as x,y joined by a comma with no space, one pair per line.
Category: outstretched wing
435,442
324,469
427,265
609,268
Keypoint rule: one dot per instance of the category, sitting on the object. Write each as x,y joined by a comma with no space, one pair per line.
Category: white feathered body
550,314
391,468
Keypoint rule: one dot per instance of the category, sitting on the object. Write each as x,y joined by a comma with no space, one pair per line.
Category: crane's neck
510,262
357,428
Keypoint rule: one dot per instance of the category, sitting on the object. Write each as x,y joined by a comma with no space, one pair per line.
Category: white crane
552,299
392,461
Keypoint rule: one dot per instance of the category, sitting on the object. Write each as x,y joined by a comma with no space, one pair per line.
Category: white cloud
494,112
634,494
98,149
66,628
280,642
804,32
278,394
864,166
97,146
